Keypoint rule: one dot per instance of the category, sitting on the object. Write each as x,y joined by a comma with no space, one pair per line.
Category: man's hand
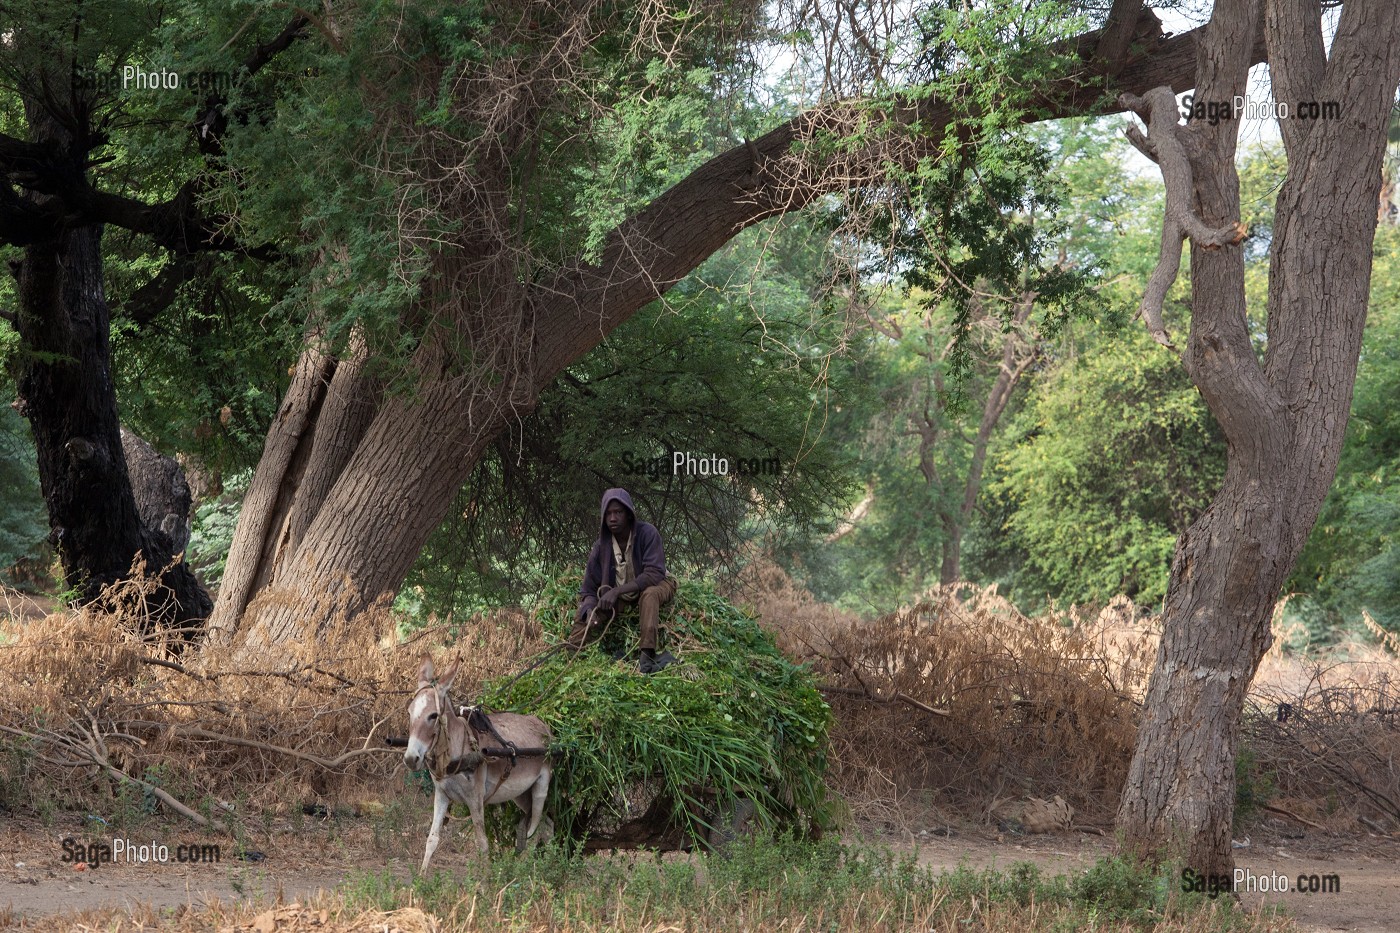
608,601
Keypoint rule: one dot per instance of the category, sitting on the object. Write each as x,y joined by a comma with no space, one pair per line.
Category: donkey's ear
425,672
449,675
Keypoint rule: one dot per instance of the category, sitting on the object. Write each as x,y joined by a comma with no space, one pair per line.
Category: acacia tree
489,294
463,109
354,478
1284,415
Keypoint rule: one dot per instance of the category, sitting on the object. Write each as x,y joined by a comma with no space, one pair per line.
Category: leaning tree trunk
1284,420
323,417
307,552
391,488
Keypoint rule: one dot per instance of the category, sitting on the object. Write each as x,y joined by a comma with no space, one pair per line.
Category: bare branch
330,764
1163,144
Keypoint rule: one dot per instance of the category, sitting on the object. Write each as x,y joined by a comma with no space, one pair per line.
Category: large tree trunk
1284,420
366,528
66,389
66,392
391,488
323,418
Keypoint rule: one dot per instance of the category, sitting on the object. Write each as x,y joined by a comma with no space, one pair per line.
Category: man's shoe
653,663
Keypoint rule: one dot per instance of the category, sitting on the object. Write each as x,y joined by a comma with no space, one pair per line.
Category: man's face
617,518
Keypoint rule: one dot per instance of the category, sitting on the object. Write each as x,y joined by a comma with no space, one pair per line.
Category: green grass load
658,760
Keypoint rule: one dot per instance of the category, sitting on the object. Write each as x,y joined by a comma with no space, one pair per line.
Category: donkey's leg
538,792
522,828
476,802
435,831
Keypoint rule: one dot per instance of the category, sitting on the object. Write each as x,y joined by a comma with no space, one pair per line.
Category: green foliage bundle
732,719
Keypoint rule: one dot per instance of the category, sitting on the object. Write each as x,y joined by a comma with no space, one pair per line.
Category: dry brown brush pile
1323,736
962,700
90,706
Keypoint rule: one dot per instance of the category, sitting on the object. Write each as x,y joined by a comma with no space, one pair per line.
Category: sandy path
34,881
1368,869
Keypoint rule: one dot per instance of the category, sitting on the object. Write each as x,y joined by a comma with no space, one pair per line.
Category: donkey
448,744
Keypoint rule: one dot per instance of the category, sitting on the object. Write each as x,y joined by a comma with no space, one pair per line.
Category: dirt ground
1367,866
35,881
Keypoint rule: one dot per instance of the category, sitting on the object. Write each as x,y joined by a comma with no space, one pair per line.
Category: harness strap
478,722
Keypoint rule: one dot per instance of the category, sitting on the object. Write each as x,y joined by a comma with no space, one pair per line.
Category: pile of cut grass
733,720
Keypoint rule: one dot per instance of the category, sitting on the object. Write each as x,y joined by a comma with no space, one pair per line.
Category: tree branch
148,301
1118,31
209,127
655,248
1164,146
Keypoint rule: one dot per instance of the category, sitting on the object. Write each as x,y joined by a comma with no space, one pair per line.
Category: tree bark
66,393
393,490
400,480
324,416
162,495
1283,420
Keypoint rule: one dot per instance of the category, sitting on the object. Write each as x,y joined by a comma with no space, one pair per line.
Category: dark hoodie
647,554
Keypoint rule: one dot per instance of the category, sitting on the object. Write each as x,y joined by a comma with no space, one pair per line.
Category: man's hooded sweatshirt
647,554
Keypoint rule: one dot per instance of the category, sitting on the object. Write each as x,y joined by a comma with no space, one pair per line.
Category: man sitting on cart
627,564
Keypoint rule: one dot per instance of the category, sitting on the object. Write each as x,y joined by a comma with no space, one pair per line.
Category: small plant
1121,889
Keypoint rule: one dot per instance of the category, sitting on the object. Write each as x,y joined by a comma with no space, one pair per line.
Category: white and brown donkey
451,748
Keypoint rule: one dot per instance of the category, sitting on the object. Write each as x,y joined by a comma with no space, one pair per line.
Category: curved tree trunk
390,492
363,531
1284,420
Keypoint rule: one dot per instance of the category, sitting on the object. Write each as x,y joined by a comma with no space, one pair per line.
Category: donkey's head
426,711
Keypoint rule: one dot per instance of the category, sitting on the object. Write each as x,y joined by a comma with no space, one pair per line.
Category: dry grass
88,702
483,915
1046,706
1323,733
962,700
958,704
